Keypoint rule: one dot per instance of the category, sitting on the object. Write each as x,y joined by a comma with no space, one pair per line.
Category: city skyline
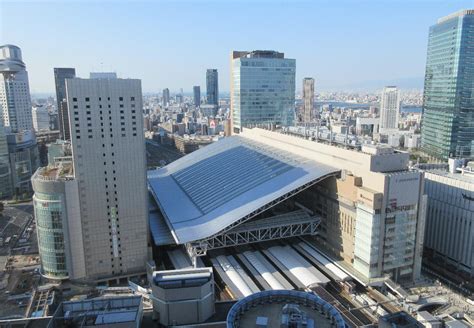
343,54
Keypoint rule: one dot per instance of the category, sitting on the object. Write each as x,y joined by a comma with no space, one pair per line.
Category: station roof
204,192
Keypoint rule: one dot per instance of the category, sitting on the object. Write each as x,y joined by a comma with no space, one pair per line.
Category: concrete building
182,297
367,126
447,129
262,89
166,97
15,99
212,87
60,76
106,123
40,115
450,216
58,221
197,95
389,108
366,207
308,99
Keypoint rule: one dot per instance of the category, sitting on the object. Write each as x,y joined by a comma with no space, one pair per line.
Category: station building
364,207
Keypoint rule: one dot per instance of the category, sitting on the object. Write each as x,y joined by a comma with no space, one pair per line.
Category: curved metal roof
206,191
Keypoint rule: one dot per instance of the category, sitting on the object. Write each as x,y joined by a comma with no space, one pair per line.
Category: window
88,112
75,106
121,105
74,99
120,98
76,113
88,106
87,98
132,98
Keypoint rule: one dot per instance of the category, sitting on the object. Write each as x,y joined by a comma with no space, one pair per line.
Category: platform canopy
213,188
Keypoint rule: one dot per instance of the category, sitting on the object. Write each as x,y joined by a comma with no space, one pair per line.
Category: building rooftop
60,171
284,308
98,312
459,13
212,188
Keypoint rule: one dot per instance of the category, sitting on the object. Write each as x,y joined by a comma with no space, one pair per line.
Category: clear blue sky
171,43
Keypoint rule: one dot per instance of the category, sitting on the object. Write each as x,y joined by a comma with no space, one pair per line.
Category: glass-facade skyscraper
448,101
212,87
60,76
197,95
262,89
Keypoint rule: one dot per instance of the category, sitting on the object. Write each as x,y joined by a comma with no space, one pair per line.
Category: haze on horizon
344,44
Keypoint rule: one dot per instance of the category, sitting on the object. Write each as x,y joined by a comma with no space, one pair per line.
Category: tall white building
40,116
389,108
108,147
262,89
15,102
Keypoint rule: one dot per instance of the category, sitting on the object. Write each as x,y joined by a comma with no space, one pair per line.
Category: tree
2,207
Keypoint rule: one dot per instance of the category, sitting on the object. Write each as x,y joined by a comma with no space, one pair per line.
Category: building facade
197,95
308,99
262,89
41,120
166,97
450,214
389,108
108,150
58,221
6,188
60,76
447,129
24,160
14,90
212,87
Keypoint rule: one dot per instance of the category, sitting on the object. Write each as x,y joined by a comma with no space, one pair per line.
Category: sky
344,45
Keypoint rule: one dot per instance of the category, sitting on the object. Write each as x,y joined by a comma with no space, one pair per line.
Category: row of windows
87,99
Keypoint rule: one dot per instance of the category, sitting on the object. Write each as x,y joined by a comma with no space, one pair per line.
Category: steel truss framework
227,237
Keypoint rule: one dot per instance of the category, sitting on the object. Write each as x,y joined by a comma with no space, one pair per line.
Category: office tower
60,76
262,89
24,160
448,104
389,108
212,87
197,95
40,115
166,97
449,233
14,90
109,164
308,99
6,189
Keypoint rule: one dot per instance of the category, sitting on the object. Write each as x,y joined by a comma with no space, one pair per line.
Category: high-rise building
308,99
6,189
40,115
14,90
262,89
60,76
197,95
448,115
449,233
212,87
166,97
389,108
106,133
